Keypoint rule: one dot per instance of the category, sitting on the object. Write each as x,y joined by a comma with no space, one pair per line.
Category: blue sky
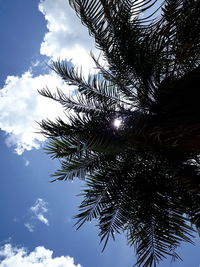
36,215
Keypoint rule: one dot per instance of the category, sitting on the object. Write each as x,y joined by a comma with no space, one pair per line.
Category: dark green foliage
141,178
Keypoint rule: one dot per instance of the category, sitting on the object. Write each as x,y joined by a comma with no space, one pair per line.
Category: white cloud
40,257
29,226
42,219
20,104
66,38
39,209
27,163
21,107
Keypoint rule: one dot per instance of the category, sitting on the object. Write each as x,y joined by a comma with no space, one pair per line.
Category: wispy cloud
38,213
29,226
18,257
27,163
39,209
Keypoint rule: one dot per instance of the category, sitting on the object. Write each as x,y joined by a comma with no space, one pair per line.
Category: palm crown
142,176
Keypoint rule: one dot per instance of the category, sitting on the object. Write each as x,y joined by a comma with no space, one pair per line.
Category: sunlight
117,122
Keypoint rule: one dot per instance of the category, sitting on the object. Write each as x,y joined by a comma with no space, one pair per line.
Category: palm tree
132,131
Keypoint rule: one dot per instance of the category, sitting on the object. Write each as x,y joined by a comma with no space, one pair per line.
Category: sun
117,122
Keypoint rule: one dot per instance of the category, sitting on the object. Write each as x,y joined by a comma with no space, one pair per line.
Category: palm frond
153,244
155,222
78,103
96,88
81,164
112,31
